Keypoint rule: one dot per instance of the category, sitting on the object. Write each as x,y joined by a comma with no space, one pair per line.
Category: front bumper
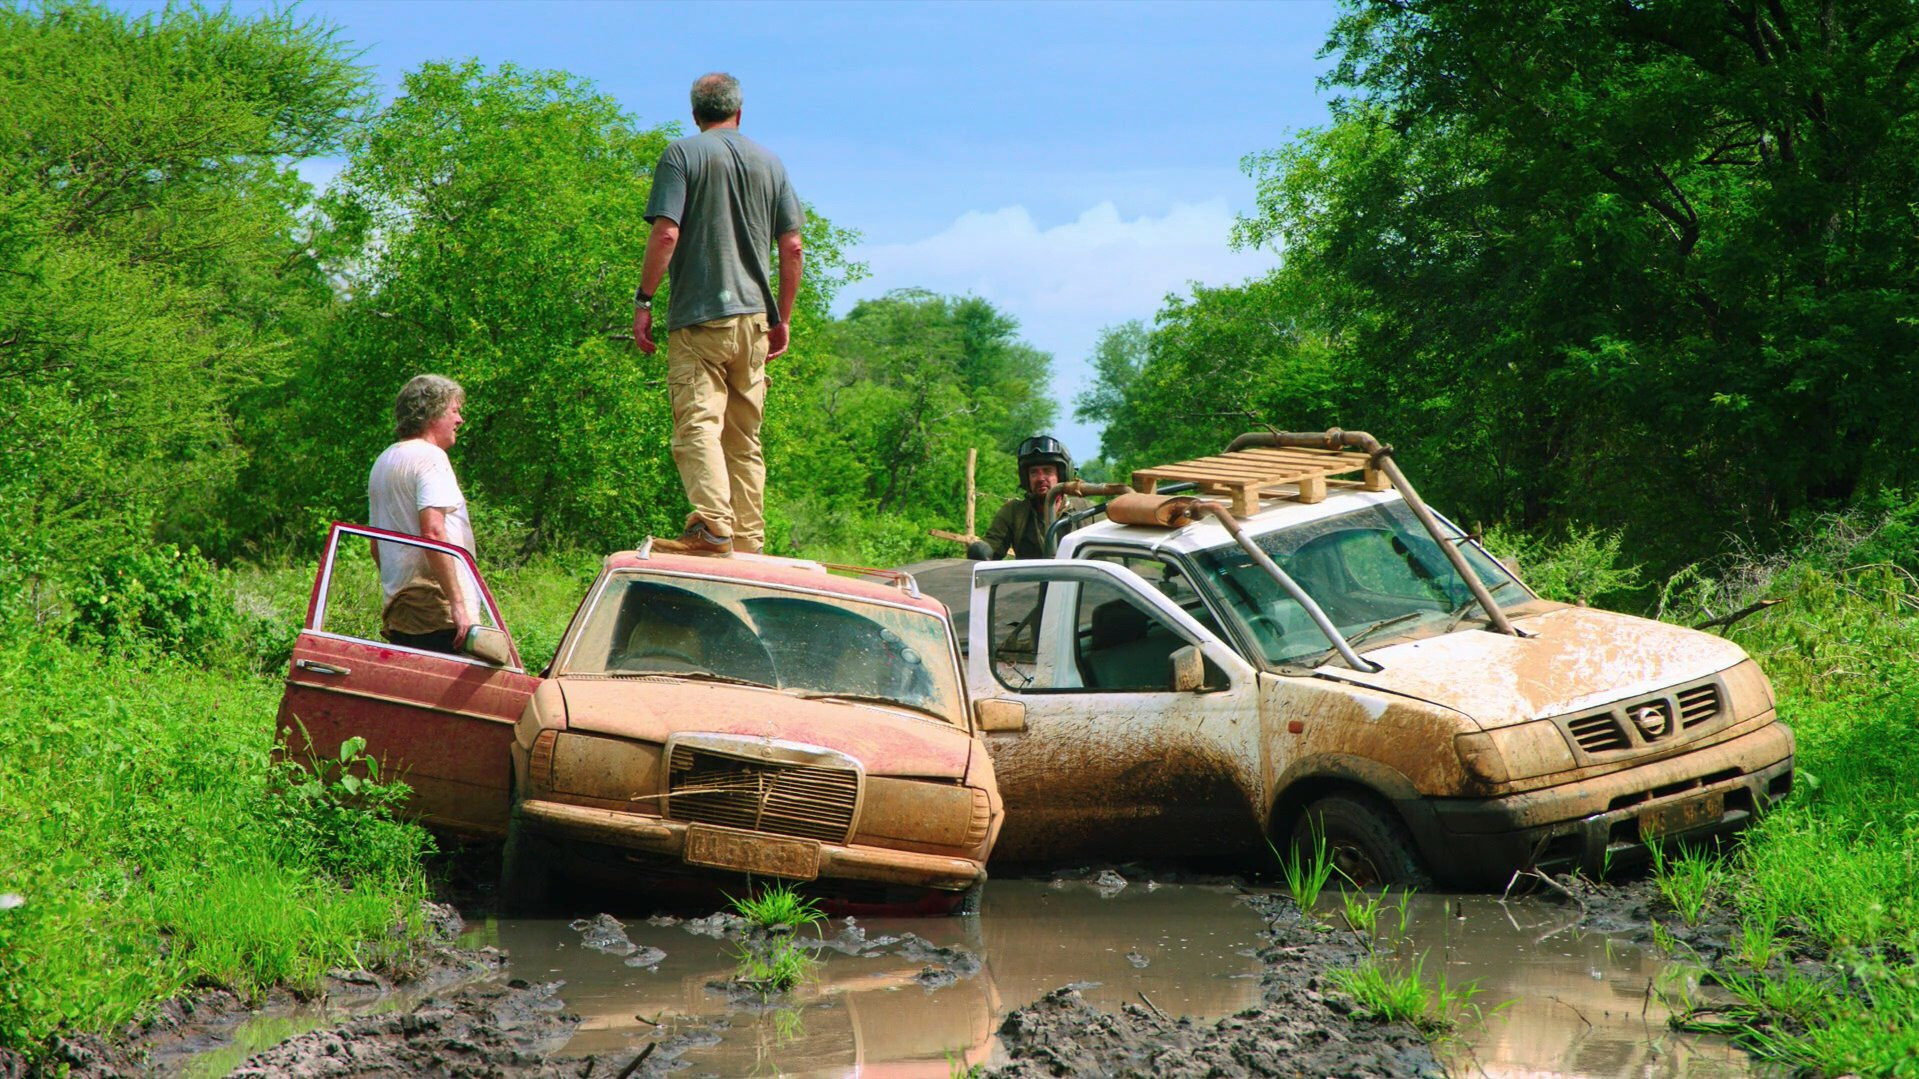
666,839
1596,824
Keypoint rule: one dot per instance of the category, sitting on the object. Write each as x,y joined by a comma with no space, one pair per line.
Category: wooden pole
972,493
972,501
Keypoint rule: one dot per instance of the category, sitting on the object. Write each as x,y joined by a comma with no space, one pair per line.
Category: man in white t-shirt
412,489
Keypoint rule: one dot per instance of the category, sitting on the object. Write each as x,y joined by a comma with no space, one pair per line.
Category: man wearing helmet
1023,523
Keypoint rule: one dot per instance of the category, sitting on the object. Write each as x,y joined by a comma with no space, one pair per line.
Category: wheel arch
1313,778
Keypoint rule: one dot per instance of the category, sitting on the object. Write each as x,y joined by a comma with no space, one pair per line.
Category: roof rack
1248,475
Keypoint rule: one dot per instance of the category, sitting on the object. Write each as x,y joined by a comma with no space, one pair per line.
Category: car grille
1698,705
1598,733
1654,719
761,796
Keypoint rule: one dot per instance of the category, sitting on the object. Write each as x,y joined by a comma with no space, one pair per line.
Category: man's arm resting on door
446,570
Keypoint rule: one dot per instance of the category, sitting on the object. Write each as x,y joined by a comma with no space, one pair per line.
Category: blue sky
1071,162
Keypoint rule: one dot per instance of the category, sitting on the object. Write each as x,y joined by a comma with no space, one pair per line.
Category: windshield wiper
868,698
1361,634
1459,612
693,675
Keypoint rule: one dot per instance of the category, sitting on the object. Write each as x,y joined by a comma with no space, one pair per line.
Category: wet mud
1109,972
1297,1028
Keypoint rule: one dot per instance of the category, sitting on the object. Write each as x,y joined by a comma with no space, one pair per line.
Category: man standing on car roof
720,202
1023,523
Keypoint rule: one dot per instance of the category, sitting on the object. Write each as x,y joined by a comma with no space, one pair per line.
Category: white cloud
1066,282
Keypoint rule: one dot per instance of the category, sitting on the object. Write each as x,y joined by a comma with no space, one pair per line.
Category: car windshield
648,623
1375,572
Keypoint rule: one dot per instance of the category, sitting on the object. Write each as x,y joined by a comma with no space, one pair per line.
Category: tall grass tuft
1689,881
772,960
1387,993
1306,872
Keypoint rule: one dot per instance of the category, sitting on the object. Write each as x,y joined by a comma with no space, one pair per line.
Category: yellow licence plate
752,852
1681,816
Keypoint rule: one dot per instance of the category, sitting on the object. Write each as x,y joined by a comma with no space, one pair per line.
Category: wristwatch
641,299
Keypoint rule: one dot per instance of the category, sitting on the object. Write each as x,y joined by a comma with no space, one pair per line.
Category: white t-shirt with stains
412,475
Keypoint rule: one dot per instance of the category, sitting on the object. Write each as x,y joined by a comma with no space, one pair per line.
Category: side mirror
1189,670
999,714
489,645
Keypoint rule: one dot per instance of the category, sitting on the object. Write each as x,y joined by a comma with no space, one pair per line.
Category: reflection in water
1581,1003
872,1014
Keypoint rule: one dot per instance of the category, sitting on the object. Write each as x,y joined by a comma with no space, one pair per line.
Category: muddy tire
1366,842
526,871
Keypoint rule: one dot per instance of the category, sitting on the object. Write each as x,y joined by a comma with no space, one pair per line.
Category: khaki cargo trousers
716,377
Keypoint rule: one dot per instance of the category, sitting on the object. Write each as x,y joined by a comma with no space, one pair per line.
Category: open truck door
1118,724
442,723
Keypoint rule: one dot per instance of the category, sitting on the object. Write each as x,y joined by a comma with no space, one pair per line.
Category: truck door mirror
998,714
1189,670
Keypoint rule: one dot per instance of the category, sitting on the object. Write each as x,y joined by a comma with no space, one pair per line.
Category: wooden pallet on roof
1247,475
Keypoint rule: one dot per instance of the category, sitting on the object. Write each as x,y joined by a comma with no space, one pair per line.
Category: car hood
1577,658
886,741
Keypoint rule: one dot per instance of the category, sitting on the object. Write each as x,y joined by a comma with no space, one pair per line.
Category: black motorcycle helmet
1044,450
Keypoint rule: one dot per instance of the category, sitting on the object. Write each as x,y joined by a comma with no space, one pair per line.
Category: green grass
157,847
1834,870
777,908
1400,992
1306,872
773,961
1689,881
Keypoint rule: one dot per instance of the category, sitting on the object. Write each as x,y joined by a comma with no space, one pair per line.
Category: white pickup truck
1267,650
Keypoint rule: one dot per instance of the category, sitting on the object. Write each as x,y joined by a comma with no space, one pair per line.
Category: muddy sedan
703,720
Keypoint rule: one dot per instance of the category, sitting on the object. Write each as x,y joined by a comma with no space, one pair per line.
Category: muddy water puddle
923,997
905,997
1559,999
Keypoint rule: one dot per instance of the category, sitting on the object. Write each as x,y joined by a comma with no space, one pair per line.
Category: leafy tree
153,263
912,381
1216,363
492,223
1648,263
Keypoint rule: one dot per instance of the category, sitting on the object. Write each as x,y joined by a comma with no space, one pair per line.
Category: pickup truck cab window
1374,571
1110,641
1168,578
813,644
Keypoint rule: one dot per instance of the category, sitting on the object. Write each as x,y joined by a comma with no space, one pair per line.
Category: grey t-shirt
732,201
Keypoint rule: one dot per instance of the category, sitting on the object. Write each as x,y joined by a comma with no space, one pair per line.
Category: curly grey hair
716,97
422,400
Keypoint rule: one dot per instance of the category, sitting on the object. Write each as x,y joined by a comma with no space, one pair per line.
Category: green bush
157,846
160,598
1837,865
1583,567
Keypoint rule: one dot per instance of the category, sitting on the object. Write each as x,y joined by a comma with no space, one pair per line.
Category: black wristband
640,298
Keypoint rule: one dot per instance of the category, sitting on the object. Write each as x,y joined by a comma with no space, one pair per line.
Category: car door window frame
317,602
1228,628
1080,571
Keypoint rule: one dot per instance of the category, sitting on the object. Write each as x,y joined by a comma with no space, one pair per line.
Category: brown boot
697,539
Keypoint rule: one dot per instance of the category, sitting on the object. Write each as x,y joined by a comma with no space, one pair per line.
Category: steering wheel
663,653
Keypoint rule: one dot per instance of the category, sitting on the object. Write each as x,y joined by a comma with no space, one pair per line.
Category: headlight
1529,749
1749,689
907,811
608,769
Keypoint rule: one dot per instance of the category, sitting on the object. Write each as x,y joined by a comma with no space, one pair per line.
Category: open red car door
442,723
